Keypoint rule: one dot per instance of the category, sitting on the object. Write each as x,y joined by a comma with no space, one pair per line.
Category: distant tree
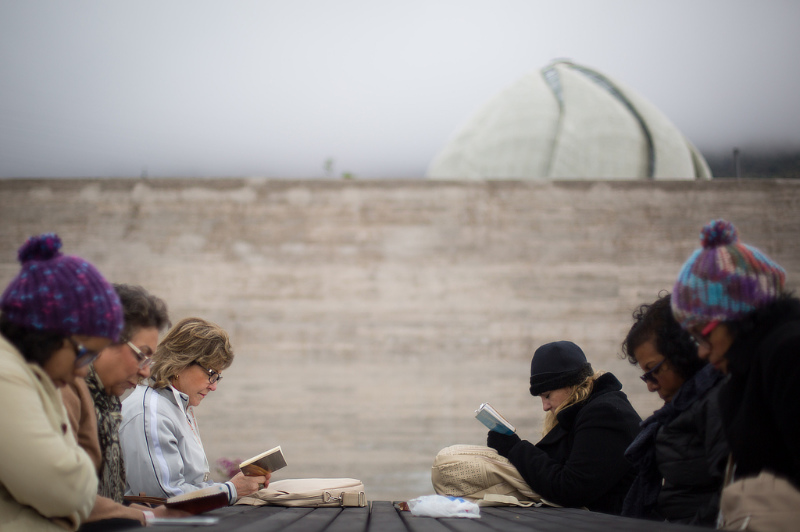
328,166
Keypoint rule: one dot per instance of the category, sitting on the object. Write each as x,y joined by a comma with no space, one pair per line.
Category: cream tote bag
310,493
763,503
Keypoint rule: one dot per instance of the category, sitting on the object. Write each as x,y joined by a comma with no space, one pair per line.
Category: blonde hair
580,392
192,340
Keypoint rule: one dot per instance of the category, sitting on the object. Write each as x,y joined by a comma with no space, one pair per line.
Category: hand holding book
264,464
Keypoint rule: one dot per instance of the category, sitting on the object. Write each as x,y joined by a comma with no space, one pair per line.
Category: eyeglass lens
143,354
700,338
213,376
83,355
649,376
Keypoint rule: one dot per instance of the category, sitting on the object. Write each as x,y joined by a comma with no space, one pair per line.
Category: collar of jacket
756,326
38,371
180,399
606,383
692,390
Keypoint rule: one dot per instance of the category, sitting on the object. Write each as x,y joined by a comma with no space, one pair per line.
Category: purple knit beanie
725,279
60,294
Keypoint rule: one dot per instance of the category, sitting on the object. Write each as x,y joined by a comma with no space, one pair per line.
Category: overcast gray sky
275,88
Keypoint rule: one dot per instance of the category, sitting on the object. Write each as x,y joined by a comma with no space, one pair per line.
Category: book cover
266,462
199,501
493,420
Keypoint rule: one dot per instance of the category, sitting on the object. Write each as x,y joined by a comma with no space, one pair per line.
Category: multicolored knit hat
60,294
725,279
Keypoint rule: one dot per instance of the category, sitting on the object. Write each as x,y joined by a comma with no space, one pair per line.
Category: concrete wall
371,318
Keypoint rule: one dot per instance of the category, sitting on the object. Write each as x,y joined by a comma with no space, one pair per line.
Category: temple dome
568,121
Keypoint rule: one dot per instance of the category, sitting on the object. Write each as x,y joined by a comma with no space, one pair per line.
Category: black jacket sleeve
716,450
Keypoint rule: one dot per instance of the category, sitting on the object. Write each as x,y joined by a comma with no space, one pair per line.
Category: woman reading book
58,313
160,438
93,406
580,461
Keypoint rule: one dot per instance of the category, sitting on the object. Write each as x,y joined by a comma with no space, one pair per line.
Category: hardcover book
266,462
199,501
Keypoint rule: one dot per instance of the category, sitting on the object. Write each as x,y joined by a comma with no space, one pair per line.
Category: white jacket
161,445
47,482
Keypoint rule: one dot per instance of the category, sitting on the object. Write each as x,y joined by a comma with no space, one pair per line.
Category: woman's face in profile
194,381
60,367
714,345
554,398
662,379
118,366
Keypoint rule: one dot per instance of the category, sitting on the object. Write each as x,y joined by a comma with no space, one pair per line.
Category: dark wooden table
383,516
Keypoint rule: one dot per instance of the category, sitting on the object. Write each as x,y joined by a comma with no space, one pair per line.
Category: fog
375,89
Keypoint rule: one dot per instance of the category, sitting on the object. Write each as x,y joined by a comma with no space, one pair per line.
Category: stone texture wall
371,318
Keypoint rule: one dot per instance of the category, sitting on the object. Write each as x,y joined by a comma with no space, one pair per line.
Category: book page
264,463
493,420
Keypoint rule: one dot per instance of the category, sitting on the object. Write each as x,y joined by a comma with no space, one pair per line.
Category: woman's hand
246,485
159,511
501,442
163,511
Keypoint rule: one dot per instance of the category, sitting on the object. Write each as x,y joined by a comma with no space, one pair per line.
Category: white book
493,420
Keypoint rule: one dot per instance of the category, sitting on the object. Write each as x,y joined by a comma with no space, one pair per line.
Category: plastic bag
441,506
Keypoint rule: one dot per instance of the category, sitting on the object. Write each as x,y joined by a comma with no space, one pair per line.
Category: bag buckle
327,496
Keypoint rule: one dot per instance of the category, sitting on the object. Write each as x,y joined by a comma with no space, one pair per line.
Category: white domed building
568,121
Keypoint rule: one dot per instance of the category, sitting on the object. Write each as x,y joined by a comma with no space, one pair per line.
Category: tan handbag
310,493
477,473
762,503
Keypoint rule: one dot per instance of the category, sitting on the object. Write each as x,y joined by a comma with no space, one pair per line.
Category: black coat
691,452
581,461
680,456
760,402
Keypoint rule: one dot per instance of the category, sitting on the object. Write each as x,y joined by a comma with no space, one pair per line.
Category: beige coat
47,482
83,418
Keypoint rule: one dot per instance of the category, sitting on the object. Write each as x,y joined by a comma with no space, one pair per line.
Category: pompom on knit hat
724,280
558,365
60,293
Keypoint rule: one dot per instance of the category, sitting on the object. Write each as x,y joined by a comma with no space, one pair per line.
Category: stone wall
370,318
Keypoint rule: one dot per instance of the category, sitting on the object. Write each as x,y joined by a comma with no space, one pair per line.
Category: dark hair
141,309
35,345
655,323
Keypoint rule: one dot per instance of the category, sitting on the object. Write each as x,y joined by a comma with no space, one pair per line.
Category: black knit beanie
558,365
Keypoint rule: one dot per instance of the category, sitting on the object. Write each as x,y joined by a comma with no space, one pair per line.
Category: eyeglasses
83,355
142,356
650,376
213,375
701,339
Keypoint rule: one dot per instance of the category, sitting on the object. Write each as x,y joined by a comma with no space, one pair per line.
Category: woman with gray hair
160,438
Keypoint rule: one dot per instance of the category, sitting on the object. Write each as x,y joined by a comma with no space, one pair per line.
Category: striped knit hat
725,279
60,294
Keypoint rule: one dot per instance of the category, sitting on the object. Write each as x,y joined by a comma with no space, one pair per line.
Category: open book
199,501
266,462
493,420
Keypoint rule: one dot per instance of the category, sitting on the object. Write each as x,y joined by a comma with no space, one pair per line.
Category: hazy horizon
263,88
